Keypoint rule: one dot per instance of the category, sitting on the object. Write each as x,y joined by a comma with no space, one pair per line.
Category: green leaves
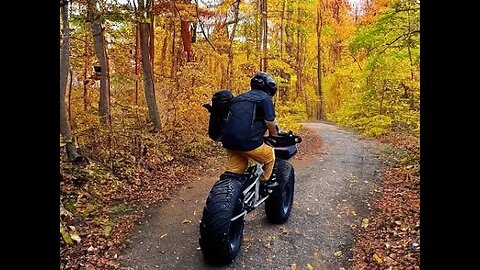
65,235
383,92
69,234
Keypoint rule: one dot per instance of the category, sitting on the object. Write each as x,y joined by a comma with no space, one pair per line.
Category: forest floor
115,225
390,237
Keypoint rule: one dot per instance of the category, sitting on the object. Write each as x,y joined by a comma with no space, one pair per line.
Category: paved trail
332,192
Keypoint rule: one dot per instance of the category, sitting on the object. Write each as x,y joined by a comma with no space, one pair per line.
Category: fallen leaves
104,209
310,147
377,258
392,238
270,242
364,223
65,235
186,221
75,237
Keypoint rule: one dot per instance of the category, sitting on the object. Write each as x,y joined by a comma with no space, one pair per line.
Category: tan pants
238,160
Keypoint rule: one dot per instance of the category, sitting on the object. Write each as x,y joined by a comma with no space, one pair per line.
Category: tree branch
388,45
201,27
399,37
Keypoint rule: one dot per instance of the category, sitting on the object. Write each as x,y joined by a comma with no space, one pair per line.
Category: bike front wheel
278,206
220,238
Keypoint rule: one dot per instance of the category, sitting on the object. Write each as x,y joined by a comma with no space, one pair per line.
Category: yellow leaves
364,223
65,235
270,242
186,221
105,223
377,258
338,253
107,229
293,266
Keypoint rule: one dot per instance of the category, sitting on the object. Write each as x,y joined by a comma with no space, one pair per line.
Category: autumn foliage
353,63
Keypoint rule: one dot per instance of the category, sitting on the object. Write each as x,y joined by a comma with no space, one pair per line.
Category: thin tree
65,130
143,14
282,28
236,8
264,35
185,27
320,112
86,68
94,17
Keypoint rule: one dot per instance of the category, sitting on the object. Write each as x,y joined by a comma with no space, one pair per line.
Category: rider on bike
251,114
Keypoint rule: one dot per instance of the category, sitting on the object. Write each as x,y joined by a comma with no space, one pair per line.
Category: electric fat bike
234,195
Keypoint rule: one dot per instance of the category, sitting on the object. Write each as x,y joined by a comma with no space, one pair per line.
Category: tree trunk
187,39
230,50
264,36
289,31
173,69
137,49
411,78
99,42
299,60
382,98
65,130
86,67
152,42
282,28
109,100
258,29
411,61
193,30
70,98
320,112
164,53
147,76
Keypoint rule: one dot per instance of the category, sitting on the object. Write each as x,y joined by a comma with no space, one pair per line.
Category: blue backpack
218,110
244,126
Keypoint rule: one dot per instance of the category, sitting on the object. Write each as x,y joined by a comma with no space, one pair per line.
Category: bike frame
252,192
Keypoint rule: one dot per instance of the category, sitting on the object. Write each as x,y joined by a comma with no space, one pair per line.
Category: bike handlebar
273,138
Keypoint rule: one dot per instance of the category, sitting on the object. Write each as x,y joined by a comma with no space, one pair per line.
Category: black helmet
263,81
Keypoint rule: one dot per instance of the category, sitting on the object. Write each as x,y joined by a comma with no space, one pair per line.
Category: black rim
287,197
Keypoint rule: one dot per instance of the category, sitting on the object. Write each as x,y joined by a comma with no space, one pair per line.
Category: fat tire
221,239
278,206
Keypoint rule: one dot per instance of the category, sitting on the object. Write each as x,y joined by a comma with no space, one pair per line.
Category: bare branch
388,45
399,37
201,27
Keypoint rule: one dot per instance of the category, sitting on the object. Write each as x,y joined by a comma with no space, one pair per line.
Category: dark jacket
246,118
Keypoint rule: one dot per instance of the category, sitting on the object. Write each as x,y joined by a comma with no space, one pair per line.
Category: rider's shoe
270,185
